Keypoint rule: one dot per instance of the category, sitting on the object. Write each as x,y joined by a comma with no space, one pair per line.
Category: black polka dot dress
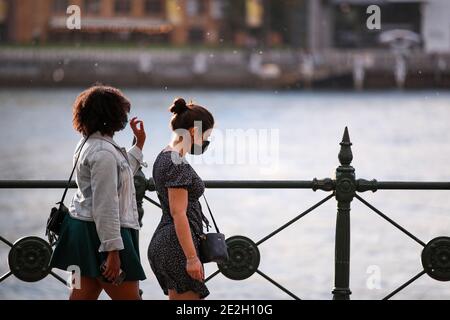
165,254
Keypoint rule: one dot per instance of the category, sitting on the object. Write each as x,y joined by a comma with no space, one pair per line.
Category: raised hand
139,132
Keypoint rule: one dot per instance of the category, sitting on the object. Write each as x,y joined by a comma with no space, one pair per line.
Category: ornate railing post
140,185
345,191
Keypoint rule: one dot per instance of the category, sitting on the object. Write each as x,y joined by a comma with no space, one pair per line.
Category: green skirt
78,245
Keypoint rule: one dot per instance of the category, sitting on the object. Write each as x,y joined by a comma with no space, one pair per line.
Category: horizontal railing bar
250,184
256,184
237,184
412,185
35,184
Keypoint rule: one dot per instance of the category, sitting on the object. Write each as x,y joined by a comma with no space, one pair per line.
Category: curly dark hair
100,108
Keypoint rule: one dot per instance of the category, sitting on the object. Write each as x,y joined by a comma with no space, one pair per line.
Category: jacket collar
98,135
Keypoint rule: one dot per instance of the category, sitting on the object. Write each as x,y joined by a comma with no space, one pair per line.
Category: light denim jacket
106,193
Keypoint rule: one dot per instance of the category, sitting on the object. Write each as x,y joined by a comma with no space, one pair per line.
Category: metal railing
29,257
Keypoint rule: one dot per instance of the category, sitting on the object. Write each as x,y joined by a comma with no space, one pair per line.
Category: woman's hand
112,266
139,131
195,268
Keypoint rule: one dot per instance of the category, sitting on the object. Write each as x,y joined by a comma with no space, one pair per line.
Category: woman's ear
195,134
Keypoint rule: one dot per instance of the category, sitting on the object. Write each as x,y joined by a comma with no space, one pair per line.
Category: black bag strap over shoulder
210,213
56,218
73,171
213,246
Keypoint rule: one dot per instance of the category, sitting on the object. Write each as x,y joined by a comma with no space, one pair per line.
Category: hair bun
179,106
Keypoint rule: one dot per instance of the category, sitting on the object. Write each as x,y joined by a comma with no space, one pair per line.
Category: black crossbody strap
73,170
209,209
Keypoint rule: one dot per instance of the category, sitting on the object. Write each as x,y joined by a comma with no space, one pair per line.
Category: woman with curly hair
103,222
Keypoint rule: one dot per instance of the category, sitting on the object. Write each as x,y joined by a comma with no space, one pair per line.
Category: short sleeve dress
165,254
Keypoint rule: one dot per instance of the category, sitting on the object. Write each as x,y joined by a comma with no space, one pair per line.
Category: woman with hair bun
174,249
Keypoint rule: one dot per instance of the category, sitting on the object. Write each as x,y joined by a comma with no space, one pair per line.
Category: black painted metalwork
395,224
243,260
301,215
403,286
249,184
436,258
276,284
29,259
244,253
140,184
345,191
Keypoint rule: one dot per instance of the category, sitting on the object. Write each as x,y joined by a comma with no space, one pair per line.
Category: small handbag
57,214
213,247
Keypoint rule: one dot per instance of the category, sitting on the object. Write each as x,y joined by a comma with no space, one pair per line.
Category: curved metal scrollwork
29,259
436,258
243,260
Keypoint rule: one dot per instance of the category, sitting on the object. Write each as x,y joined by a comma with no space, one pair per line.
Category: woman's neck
177,145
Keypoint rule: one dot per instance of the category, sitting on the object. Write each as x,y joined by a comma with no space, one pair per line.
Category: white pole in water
401,42
200,64
307,70
359,73
400,70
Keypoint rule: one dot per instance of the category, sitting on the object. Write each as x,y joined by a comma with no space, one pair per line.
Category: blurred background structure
224,43
307,24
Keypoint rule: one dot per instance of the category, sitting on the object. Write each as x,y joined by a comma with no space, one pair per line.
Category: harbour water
396,136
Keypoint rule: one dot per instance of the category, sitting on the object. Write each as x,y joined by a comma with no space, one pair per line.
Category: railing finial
345,154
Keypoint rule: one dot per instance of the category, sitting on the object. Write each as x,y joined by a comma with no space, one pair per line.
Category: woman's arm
105,209
178,201
105,200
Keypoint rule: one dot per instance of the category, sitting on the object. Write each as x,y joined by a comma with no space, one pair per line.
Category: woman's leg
190,295
89,290
128,290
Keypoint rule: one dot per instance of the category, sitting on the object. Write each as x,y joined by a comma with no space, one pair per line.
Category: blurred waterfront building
436,26
3,21
313,25
342,23
350,30
214,22
150,21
